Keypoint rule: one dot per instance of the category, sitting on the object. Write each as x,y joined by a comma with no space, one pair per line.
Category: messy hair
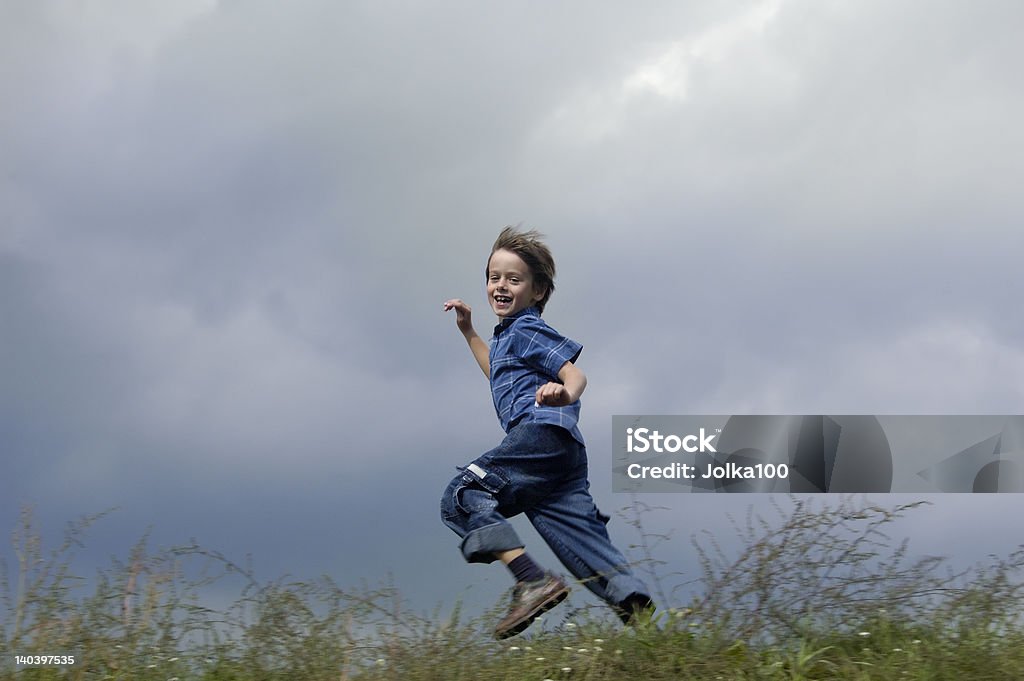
536,255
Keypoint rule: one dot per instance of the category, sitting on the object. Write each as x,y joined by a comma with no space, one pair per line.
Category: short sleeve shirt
526,353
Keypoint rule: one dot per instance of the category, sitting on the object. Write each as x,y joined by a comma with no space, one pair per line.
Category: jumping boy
540,468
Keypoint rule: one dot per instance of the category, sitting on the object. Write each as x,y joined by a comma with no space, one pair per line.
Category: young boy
540,468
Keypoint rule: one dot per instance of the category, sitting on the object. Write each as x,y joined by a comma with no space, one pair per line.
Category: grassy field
818,592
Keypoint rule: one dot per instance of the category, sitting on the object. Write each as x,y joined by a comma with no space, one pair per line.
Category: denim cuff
621,585
480,545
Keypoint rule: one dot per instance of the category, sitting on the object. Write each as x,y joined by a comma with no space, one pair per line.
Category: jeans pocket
487,477
473,492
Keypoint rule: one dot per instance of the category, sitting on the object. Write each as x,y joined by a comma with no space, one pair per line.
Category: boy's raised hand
463,314
464,320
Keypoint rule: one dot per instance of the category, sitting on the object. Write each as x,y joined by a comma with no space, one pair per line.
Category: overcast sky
226,231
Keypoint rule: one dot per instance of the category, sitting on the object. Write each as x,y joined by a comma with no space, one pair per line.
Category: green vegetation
816,593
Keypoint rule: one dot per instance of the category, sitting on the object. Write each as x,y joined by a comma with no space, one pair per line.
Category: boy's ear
539,292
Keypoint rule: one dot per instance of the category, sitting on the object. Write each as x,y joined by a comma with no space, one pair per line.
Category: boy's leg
502,483
527,466
471,508
474,514
546,473
576,531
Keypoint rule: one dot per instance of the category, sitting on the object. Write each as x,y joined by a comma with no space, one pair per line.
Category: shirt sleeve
542,347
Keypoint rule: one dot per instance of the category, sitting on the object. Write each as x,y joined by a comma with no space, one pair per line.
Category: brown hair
536,255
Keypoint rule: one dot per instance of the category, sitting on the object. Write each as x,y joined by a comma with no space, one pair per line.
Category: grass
816,593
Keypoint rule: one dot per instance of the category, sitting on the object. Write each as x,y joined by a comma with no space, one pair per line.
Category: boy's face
510,284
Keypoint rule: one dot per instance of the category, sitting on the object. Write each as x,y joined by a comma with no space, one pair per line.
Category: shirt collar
506,321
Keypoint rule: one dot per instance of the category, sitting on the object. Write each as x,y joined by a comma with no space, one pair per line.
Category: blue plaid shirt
526,353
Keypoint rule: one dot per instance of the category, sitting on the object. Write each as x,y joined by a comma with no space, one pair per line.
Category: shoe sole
520,626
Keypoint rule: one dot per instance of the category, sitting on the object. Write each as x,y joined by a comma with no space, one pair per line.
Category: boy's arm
464,320
481,352
573,383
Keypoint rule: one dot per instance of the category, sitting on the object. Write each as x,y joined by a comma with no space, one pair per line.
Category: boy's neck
505,321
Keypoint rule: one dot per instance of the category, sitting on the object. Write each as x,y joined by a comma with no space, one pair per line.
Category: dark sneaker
635,608
529,600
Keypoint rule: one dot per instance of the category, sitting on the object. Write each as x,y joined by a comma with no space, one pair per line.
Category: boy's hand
553,395
463,314
573,383
464,320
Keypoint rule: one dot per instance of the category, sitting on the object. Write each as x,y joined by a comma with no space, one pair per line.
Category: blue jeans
540,470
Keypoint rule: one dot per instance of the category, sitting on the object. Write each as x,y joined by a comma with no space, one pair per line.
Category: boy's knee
449,505
467,496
